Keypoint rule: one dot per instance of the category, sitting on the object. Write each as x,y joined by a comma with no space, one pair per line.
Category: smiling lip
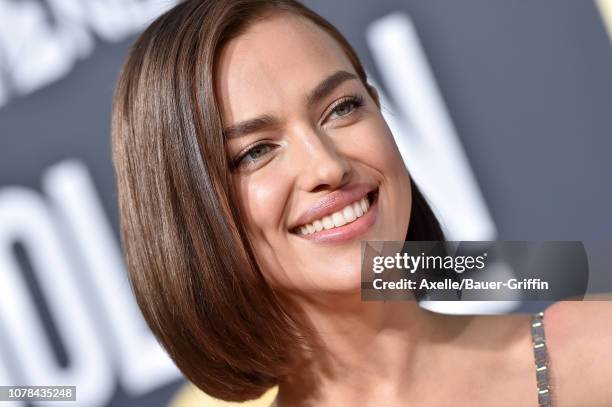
349,231
334,202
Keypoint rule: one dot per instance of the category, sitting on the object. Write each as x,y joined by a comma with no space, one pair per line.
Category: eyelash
356,101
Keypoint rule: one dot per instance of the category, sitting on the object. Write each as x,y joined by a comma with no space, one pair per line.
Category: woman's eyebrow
249,126
327,86
324,88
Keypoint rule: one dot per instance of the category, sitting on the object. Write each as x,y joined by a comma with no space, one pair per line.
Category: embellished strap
540,354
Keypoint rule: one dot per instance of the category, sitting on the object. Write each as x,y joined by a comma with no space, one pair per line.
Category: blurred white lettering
6,380
25,218
431,147
143,365
92,306
40,44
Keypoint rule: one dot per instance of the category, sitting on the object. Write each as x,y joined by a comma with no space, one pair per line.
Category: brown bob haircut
180,223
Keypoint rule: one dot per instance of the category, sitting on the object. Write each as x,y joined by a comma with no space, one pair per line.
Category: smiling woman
252,159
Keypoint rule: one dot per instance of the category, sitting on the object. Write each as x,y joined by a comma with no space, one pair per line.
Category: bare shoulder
579,341
578,321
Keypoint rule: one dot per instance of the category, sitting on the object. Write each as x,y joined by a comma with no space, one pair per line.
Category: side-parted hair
191,266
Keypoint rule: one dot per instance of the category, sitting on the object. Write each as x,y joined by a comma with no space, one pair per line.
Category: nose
319,163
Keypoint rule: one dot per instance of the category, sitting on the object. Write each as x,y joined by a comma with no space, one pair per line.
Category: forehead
273,65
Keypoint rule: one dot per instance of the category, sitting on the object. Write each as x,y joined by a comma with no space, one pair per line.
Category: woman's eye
345,108
253,154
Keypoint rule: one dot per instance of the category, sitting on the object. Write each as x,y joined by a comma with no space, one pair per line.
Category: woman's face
315,165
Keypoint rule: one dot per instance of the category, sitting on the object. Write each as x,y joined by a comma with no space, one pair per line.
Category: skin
313,151
372,354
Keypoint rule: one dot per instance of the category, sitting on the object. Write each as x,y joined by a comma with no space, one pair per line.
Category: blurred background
502,111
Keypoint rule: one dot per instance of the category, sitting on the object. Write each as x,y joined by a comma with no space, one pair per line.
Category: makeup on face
314,164
341,215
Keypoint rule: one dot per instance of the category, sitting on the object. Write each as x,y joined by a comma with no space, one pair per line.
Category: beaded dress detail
540,354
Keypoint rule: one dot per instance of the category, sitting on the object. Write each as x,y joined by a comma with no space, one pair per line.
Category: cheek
262,202
374,146
372,143
262,199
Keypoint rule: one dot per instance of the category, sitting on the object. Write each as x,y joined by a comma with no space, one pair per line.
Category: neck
369,346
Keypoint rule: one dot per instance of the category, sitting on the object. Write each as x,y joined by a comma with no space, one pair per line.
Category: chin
336,277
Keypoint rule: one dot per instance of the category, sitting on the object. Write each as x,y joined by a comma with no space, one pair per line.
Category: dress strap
540,354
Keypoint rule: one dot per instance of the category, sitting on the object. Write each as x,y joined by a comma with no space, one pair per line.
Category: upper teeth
345,215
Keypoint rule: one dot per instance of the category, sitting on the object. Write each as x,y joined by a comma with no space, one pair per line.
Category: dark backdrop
528,86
